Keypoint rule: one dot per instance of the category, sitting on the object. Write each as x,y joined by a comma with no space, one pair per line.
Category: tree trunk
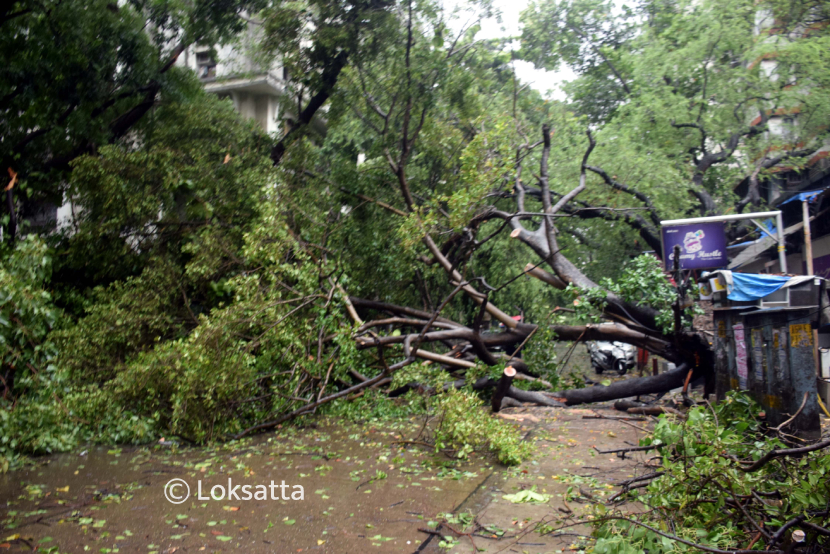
536,397
12,216
630,387
502,387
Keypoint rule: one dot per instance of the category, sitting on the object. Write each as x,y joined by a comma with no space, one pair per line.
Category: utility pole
808,258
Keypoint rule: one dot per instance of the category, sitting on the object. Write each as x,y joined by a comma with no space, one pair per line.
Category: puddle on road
361,491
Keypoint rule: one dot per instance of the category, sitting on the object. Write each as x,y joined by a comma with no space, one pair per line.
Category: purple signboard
821,266
702,245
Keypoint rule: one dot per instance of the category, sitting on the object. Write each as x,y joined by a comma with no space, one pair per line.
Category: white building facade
233,71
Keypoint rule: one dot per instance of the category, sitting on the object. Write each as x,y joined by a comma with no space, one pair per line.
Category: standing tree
76,76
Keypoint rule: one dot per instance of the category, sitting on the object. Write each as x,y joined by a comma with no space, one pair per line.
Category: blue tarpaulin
751,287
809,196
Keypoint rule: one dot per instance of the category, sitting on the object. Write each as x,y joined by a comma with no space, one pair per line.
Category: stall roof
748,287
808,195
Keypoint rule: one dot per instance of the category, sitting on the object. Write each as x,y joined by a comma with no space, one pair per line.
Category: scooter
612,356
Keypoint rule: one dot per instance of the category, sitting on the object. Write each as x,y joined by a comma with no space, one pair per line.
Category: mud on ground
363,492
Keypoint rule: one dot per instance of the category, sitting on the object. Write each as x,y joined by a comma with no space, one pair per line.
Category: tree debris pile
719,483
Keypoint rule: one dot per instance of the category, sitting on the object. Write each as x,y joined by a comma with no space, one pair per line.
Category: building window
205,65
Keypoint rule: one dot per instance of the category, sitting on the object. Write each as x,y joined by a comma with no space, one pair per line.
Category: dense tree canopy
76,76
692,87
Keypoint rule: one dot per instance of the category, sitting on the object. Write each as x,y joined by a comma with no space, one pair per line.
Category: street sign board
702,245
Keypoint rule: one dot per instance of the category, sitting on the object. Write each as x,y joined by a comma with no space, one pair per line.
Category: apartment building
237,72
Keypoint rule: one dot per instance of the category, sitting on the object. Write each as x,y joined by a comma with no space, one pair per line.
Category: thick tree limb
406,322
546,277
647,231
328,82
630,387
639,317
708,159
535,397
476,296
753,194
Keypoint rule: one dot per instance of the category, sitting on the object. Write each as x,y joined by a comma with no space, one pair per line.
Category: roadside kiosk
765,343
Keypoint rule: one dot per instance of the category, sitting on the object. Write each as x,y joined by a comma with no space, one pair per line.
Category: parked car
612,356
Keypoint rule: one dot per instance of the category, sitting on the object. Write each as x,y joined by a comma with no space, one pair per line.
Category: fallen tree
632,323
499,174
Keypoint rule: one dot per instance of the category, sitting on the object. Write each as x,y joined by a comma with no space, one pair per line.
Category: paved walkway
568,468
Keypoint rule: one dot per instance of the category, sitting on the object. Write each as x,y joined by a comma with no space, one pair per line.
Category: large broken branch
630,387
309,407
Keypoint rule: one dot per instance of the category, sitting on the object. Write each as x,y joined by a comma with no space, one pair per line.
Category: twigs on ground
601,416
623,451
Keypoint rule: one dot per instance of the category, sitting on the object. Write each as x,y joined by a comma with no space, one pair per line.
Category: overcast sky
546,82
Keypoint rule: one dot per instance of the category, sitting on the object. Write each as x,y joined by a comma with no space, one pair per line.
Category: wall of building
231,71
795,261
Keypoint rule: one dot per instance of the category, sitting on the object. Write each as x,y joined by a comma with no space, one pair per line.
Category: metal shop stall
766,343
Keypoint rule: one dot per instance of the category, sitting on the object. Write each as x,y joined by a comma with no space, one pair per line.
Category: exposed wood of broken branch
349,306
405,321
502,388
441,359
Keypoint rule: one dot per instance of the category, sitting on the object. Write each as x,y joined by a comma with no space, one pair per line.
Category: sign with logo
702,245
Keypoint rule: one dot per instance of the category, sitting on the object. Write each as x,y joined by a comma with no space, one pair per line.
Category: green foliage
27,313
197,291
426,374
540,354
642,282
74,75
665,83
696,496
587,35
40,413
466,426
204,307
375,406
185,194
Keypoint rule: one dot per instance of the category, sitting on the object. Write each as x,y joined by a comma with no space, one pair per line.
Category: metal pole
782,254
808,242
716,218
679,288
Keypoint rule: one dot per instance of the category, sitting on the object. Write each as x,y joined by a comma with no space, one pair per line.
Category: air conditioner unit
805,294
